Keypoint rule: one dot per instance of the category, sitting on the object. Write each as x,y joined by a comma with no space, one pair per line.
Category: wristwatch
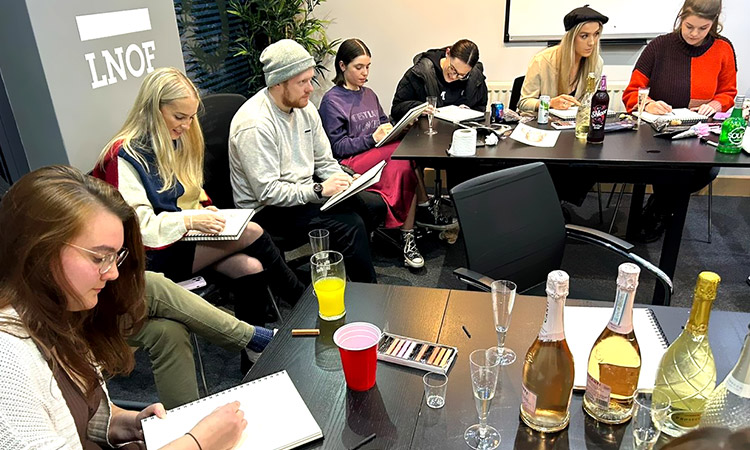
318,189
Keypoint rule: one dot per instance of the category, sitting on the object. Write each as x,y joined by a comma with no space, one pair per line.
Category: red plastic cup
358,348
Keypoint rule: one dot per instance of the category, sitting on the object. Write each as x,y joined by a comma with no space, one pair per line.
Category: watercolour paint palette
415,353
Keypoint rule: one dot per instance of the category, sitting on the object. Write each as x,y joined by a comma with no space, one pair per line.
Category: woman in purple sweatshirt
354,121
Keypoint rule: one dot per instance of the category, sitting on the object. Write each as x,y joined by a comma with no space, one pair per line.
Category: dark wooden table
624,157
395,410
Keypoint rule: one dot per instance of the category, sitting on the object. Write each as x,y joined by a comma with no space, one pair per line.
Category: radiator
499,91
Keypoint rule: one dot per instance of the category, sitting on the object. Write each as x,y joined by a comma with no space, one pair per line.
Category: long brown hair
705,9
40,212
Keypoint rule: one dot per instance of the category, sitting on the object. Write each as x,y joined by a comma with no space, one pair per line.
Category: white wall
396,30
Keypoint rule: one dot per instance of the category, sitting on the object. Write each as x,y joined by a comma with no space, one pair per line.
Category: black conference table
395,409
624,157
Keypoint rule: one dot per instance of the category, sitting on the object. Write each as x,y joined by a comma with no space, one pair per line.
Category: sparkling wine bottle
584,111
687,373
615,359
548,368
729,405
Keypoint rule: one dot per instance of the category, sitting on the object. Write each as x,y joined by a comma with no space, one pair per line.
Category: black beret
583,14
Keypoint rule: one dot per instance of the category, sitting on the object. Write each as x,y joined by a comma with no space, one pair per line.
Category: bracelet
196,440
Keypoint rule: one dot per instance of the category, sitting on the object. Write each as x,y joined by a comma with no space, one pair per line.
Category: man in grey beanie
278,151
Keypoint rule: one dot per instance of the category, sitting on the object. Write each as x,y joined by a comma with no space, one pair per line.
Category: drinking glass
485,369
650,410
503,297
642,97
435,387
329,281
318,240
432,101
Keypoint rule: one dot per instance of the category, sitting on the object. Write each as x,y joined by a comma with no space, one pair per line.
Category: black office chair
515,92
513,229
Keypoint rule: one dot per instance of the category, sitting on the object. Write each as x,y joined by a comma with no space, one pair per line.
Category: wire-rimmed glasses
106,260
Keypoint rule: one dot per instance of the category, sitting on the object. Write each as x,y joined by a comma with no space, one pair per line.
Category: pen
466,331
363,441
709,142
305,332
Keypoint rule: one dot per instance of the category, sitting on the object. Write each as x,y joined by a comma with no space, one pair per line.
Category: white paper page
682,114
364,181
567,114
584,324
277,417
534,136
453,113
235,221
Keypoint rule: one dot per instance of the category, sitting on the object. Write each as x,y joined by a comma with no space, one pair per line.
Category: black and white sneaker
412,257
429,217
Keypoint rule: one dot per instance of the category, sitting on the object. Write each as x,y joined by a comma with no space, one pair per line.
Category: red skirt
397,184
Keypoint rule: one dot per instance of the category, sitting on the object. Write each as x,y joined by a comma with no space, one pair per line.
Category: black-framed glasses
105,260
454,73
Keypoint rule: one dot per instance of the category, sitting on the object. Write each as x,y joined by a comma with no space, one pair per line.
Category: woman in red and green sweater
693,67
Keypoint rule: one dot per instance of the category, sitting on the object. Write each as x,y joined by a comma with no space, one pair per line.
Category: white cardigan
33,412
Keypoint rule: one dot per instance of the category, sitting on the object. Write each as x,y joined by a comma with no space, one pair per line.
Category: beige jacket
541,79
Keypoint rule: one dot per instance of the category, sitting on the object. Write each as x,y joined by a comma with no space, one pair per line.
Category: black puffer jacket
422,80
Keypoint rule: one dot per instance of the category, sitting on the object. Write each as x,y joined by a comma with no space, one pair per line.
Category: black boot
282,280
251,299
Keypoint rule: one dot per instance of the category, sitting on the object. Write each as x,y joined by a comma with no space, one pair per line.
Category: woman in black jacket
452,74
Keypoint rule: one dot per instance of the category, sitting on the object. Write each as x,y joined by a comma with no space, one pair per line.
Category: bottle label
735,136
597,392
687,419
621,322
737,387
528,400
598,116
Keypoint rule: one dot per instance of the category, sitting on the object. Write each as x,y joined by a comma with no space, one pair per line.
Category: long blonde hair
566,59
145,128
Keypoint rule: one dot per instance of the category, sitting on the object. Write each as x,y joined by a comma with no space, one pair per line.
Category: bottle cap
627,276
557,284
707,285
739,101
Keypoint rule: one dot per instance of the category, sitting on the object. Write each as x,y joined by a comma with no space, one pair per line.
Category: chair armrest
474,279
597,237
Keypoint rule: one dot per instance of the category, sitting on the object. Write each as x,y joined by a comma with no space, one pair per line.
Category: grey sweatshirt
273,155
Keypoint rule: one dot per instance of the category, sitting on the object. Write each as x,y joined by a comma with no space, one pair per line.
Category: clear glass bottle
687,372
733,129
548,370
729,405
584,111
615,359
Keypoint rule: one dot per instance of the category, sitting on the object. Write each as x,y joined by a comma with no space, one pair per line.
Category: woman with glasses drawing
71,296
560,71
452,74
156,161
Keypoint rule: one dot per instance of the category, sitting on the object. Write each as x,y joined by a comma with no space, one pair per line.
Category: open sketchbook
277,417
684,115
453,113
236,222
402,124
584,324
364,181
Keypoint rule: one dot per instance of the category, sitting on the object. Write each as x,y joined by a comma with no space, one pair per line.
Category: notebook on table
236,222
684,115
277,417
584,324
570,113
402,124
453,113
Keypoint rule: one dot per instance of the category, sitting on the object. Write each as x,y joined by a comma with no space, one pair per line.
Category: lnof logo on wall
135,59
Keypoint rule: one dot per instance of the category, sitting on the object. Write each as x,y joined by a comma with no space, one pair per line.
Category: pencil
363,441
305,332
466,331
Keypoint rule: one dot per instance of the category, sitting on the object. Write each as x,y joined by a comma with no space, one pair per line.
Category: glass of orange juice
329,281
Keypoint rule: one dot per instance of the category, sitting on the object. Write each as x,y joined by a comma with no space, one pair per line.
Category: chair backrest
216,117
515,92
512,224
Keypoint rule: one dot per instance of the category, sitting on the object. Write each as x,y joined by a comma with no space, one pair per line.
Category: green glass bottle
687,372
733,129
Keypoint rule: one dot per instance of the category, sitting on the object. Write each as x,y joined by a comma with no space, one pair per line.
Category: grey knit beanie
283,60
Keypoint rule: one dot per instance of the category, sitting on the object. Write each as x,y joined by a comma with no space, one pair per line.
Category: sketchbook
684,115
584,324
236,222
570,113
364,181
402,124
277,417
455,114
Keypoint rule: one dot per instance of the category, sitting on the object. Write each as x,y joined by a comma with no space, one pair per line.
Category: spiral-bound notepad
236,222
277,417
583,325
684,115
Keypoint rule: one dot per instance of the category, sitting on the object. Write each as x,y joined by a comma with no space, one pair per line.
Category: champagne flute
650,410
432,101
503,297
642,97
485,369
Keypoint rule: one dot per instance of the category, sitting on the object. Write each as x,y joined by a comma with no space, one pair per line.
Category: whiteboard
542,20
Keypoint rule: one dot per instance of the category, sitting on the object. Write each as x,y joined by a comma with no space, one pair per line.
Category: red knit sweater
685,76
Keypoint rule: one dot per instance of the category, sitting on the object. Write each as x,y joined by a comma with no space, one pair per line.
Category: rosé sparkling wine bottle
548,370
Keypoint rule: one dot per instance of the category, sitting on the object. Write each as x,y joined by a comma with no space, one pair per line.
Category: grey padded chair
513,229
